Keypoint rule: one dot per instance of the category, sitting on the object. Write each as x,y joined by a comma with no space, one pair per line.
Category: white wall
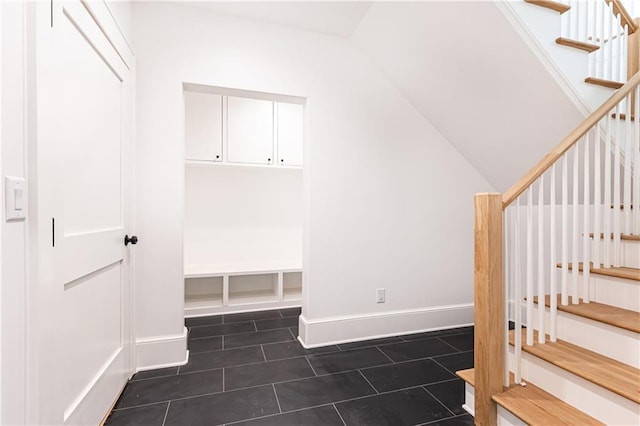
13,234
482,87
388,199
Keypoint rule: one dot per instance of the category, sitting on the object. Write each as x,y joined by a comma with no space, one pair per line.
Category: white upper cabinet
203,126
249,131
290,134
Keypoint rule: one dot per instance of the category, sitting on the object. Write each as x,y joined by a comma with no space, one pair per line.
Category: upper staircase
557,258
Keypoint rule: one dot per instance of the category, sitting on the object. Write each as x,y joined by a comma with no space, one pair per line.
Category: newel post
489,310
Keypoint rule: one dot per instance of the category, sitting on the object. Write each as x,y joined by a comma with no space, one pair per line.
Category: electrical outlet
380,295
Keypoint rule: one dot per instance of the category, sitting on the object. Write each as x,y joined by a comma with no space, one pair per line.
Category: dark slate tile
432,334
464,420
294,331
209,320
369,343
150,415
257,338
205,344
462,342
405,407
348,360
226,358
266,372
159,372
250,316
223,407
293,349
406,375
271,324
290,312
171,387
418,349
322,390
457,361
451,394
219,330
318,416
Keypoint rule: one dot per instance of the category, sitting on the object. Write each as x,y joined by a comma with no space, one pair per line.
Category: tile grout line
263,354
436,398
448,344
448,418
370,384
312,369
223,378
436,361
387,356
273,386
339,415
166,412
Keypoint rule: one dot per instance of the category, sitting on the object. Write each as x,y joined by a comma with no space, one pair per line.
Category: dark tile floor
248,369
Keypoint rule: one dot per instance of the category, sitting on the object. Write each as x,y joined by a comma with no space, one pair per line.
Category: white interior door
82,319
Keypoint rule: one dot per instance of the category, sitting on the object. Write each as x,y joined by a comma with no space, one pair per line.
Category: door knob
133,240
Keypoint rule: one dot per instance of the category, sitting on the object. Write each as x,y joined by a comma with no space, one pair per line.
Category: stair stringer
539,28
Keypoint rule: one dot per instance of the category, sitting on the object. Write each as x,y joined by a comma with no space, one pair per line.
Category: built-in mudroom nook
243,200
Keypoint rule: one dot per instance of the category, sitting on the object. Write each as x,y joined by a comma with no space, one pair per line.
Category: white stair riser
613,342
469,399
507,418
629,253
606,406
620,292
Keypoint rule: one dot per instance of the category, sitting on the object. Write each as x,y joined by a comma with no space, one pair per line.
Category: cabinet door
249,131
203,126
290,134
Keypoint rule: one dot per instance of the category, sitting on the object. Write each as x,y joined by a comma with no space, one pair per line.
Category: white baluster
517,297
575,251
636,175
606,228
597,196
529,267
541,262
611,42
506,279
586,258
553,290
565,233
628,154
617,202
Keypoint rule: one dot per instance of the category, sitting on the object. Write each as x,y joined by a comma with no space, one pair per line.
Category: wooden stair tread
608,373
587,47
602,82
625,237
535,406
553,5
606,314
617,272
468,376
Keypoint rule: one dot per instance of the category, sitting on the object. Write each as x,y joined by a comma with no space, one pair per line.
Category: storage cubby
203,292
243,201
250,289
292,285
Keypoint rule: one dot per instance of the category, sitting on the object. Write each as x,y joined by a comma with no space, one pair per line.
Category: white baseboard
161,352
353,328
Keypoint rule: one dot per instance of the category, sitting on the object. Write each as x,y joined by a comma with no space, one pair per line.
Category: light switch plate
15,196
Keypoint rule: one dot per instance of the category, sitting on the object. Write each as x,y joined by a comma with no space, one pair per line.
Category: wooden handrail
625,17
573,137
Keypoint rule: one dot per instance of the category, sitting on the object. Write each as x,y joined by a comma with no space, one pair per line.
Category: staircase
557,268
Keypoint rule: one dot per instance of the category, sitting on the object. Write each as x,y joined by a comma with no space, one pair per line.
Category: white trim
163,351
353,328
541,53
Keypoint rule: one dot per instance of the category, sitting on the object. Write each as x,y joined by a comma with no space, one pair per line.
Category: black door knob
130,239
